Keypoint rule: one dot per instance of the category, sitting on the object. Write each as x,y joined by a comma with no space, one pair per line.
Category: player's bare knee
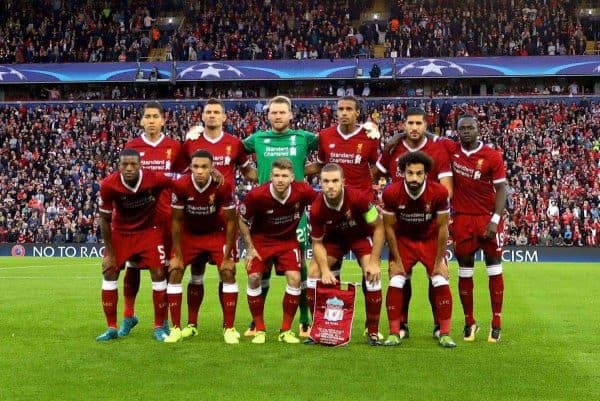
110,275
227,276
467,261
175,276
492,260
254,280
294,279
158,274
198,269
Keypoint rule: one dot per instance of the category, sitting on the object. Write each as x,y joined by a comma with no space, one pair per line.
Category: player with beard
344,219
415,217
414,140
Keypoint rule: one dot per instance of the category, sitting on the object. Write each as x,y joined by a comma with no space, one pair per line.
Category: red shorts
359,246
285,255
467,234
414,251
144,248
203,248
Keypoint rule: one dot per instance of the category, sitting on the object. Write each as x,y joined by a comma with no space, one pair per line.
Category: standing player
350,145
478,204
415,139
129,224
344,219
227,150
199,235
354,148
273,211
295,145
228,154
415,217
161,154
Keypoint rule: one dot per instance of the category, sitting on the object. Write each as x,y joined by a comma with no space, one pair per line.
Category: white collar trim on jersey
274,194
149,142
204,187
420,193
350,135
213,140
470,152
410,149
339,207
137,185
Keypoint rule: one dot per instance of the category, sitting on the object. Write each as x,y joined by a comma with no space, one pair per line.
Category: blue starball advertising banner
510,254
223,70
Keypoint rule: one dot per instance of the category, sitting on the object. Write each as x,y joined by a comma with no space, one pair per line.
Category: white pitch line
47,277
41,266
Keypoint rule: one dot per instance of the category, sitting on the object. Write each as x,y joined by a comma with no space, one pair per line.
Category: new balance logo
190,199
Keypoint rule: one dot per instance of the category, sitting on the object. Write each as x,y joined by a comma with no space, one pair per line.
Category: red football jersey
273,218
227,150
164,156
355,153
388,163
346,221
133,208
202,206
416,217
475,173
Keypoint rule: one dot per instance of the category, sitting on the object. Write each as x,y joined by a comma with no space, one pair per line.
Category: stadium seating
278,29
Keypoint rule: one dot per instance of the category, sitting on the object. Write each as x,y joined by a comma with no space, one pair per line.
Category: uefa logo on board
18,250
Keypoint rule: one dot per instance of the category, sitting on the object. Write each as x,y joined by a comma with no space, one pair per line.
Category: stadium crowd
456,28
58,31
52,158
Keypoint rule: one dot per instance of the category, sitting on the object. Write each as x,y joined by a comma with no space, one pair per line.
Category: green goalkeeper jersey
268,146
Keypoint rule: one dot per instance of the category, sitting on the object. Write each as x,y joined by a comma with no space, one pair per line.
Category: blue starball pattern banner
463,67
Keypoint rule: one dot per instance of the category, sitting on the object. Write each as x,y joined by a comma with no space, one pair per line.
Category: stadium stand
57,31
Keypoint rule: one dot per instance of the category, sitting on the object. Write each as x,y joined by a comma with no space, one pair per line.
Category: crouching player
344,219
416,213
200,235
269,217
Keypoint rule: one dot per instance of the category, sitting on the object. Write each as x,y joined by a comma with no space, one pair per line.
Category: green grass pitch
50,313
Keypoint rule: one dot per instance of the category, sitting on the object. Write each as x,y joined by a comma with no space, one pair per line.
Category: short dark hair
415,111
153,104
469,116
215,101
283,164
351,99
329,167
129,152
415,158
202,153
